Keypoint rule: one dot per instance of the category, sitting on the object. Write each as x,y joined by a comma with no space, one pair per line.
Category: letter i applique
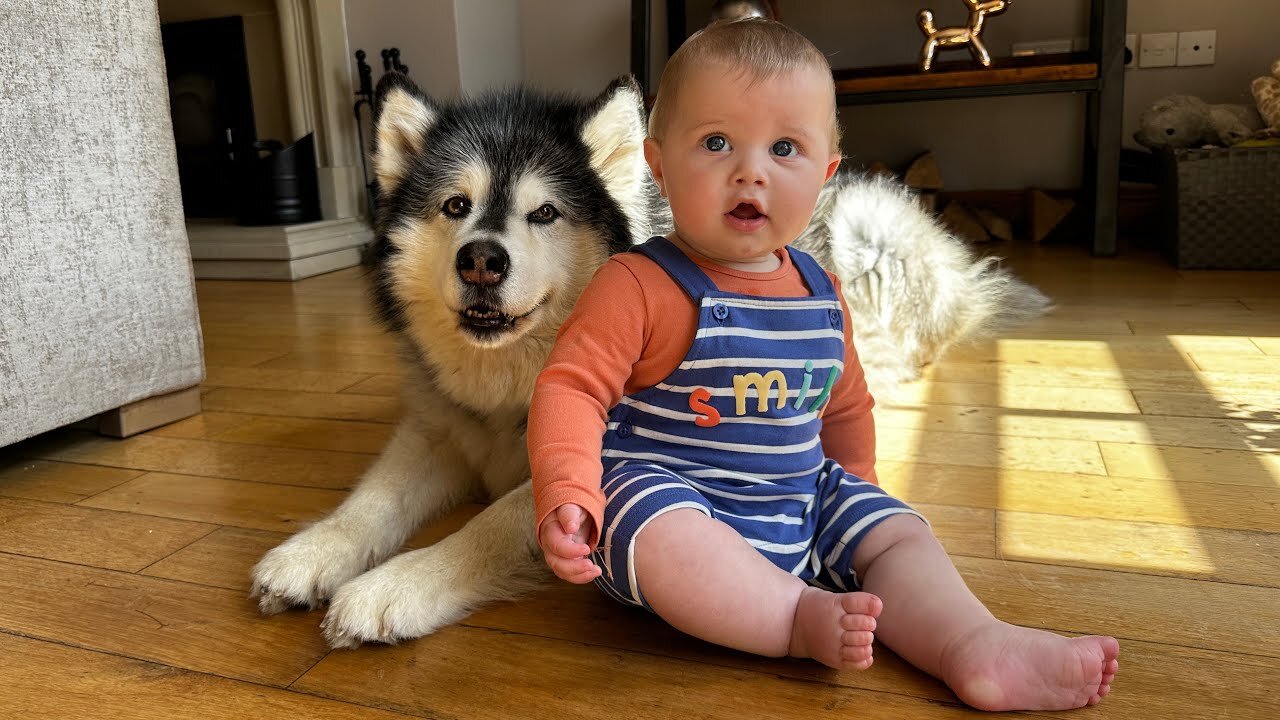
708,416
826,389
804,387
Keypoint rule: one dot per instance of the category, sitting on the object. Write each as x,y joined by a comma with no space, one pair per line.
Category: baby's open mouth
746,211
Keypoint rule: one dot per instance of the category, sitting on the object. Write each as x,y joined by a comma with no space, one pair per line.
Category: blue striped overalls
733,432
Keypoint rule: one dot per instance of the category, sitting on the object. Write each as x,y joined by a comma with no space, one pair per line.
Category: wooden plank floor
1113,468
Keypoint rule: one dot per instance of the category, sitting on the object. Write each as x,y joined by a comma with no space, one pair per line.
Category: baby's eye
715,143
784,148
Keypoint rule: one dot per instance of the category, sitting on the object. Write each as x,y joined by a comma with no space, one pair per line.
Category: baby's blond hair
760,48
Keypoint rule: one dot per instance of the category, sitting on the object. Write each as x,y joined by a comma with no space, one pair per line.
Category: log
923,173
996,226
964,223
879,167
1045,212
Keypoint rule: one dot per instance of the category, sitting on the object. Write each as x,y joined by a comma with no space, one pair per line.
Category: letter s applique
708,416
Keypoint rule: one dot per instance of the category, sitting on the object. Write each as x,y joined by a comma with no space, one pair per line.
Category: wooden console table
1098,72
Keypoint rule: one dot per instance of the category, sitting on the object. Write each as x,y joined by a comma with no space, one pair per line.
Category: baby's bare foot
836,629
999,666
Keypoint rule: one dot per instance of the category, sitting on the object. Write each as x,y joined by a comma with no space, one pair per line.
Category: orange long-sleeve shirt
630,329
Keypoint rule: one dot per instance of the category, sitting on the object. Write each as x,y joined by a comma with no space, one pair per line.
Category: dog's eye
457,206
545,214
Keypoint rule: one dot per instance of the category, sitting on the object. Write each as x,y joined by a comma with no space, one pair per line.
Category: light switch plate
1197,48
1158,50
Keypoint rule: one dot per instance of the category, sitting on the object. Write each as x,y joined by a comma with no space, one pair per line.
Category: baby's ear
832,166
653,158
405,116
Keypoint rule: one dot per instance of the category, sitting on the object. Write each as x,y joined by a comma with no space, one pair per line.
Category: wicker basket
1221,207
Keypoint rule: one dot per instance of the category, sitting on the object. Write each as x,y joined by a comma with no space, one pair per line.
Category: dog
954,37
493,214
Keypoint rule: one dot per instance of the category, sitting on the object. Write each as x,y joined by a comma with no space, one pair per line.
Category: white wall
576,46
489,46
424,30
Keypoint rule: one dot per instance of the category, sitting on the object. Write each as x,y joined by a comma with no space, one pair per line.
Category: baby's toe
857,637
861,603
856,657
855,621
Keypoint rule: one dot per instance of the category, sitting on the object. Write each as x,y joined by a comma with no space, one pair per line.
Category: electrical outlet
1197,48
1130,50
1158,50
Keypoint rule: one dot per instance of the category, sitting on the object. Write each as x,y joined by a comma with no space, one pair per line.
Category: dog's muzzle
482,266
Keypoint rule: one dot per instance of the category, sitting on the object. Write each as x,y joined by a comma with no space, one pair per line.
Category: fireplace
260,100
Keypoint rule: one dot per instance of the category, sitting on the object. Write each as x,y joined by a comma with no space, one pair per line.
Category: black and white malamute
493,214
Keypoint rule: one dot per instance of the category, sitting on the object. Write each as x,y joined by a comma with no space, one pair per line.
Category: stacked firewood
1044,212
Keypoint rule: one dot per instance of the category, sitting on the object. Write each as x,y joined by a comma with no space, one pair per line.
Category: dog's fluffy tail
913,289
1000,301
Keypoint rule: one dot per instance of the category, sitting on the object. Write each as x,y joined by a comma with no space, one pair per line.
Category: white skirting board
224,251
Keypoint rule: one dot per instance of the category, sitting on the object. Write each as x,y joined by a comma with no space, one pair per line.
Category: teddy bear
1184,121
1266,93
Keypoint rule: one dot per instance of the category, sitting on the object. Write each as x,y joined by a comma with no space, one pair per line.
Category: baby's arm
584,377
848,427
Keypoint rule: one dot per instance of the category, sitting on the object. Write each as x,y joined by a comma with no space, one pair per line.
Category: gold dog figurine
948,37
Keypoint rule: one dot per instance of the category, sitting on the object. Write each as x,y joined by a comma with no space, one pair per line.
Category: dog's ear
614,131
404,116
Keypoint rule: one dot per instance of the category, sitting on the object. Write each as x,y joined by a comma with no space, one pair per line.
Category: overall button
720,311
835,318
624,430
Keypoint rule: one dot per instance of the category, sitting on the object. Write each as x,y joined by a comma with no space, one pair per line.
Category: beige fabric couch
97,302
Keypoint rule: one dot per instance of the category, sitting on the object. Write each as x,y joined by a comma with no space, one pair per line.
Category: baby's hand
563,537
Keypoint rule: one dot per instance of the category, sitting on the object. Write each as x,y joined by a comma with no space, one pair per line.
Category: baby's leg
704,579
933,621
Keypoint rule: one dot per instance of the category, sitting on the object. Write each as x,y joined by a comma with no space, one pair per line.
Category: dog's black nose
482,264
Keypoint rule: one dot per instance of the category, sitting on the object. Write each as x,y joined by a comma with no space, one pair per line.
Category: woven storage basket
1221,207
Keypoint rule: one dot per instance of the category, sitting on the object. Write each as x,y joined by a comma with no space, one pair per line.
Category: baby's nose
750,173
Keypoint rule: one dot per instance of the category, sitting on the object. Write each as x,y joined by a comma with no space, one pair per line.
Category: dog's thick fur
486,171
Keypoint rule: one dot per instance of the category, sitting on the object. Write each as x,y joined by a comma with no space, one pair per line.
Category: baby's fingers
566,547
578,571
570,517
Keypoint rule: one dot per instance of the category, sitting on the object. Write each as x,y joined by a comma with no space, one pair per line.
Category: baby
701,437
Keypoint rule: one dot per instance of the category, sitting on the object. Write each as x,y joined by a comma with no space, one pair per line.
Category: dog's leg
979,51
927,53
494,557
412,481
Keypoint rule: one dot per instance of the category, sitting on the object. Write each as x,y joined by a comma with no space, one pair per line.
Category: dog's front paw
409,596
306,569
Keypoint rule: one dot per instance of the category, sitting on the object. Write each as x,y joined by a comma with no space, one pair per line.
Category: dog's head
495,211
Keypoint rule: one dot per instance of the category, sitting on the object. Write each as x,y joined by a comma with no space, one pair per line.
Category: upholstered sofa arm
97,302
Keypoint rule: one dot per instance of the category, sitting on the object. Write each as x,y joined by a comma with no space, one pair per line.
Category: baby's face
742,162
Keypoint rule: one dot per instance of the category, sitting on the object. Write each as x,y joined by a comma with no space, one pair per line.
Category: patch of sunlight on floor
1260,410
1224,467
1066,539
1057,539
1268,345
1212,344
